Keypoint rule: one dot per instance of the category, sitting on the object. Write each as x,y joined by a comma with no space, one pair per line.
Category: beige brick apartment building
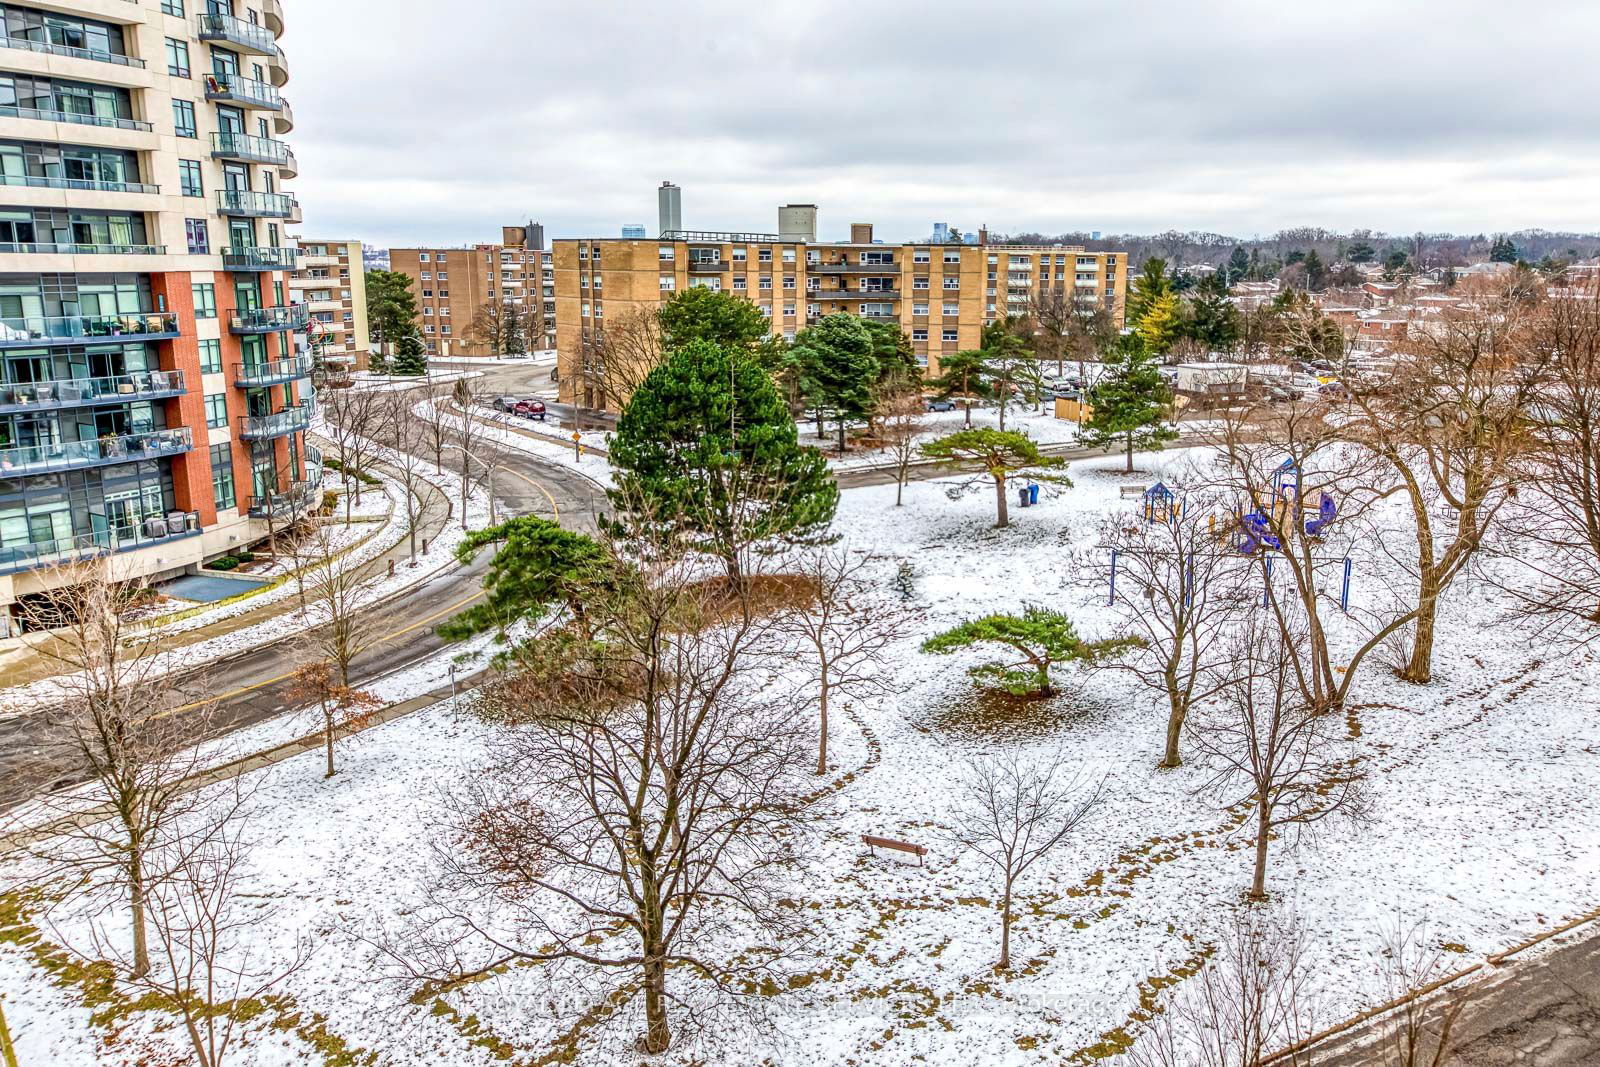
452,285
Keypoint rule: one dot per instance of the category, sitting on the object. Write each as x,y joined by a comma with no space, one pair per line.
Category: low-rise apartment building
941,295
452,286
331,282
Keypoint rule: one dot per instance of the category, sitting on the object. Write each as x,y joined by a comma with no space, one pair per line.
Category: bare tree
618,358
1565,467
437,423
1421,1031
341,707
1246,1003
1450,418
1284,468
204,970
501,326
1177,591
844,628
354,421
903,425
407,441
471,428
1067,325
1013,812
128,727
641,805
340,590
1265,737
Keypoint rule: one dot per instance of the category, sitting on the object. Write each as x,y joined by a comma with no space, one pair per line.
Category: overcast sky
436,121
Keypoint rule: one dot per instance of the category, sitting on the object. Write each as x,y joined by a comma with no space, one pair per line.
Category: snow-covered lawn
1044,428
1482,821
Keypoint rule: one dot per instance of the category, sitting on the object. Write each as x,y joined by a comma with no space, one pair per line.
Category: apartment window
919,334
668,283
445,329
764,255
788,255
427,294
919,309
740,283
788,282
444,294
172,7
949,335
739,255
199,238
210,356
443,275
424,257
766,281
427,275
919,283
217,410
222,490
183,119
921,255
766,311
952,283
954,257
586,311
428,328
951,310
427,313
665,253
177,58
788,309
189,180
205,300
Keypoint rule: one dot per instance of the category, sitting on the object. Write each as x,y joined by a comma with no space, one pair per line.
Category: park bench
1134,490
896,846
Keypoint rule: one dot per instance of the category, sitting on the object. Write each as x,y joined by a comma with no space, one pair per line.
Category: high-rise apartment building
941,295
331,282
153,397
454,285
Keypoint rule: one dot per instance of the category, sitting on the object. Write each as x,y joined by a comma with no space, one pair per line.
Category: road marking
242,690
539,486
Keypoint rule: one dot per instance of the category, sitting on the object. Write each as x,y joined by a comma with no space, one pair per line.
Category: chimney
861,233
797,223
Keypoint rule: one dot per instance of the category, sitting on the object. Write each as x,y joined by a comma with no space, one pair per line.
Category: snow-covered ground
1044,428
1481,821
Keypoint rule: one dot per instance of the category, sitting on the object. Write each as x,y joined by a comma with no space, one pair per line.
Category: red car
529,409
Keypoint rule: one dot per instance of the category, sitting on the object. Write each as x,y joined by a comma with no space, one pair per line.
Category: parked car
941,404
506,403
530,409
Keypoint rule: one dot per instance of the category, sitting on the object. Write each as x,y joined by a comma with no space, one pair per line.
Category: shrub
223,563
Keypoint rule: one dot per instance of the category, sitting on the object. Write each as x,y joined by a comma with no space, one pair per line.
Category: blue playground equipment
1161,504
1255,528
1327,511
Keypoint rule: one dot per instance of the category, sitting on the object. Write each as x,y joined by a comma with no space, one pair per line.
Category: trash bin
1022,496
1033,493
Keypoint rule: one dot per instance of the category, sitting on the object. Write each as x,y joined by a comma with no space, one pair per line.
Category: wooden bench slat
889,842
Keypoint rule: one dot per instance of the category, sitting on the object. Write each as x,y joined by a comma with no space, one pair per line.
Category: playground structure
1161,505
1290,497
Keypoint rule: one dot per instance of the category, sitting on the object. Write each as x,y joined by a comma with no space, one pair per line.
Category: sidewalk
30,665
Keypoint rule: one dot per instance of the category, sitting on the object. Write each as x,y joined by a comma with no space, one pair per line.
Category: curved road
255,684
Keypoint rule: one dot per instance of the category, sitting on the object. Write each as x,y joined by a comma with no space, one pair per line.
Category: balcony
283,121
9,112
272,12
84,250
290,167
77,455
852,294
43,331
278,68
248,149
273,372
245,92
246,203
715,266
154,530
24,397
270,320
34,181
280,424
236,33
301,497
50,49
846,268
259,259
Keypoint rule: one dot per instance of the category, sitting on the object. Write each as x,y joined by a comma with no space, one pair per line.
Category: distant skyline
417,125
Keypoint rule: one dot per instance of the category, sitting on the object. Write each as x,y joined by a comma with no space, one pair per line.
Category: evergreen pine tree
706,455
839,369
409,358
1151,284
1129,403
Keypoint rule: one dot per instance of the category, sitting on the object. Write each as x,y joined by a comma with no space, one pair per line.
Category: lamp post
454,716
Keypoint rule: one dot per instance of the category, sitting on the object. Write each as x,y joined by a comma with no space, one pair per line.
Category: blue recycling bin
1033,493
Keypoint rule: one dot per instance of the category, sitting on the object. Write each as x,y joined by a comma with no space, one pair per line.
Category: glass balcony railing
52,49
237,32
40,181
148,531
73,455
301,497
248,149
279,424
83,250
251,204
271,320
9,111
234,89
259,259
272,372
81,392
32,331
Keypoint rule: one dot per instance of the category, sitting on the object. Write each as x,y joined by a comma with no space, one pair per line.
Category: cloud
424,122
